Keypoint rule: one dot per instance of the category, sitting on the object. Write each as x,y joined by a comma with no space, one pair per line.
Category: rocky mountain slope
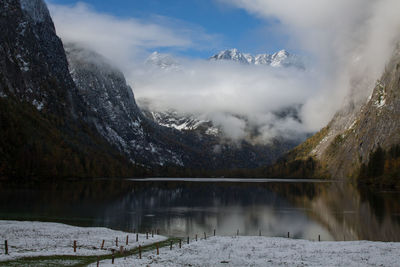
33,64
73,115
209,133
175,120
376,124
155,139
43,133
216,150
359,139
114,111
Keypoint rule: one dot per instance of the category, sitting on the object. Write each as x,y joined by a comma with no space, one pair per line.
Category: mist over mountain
114,111
163,61
361,141
341,53
231,110
237,99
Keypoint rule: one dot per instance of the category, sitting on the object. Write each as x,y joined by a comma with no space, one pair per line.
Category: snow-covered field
44,239
264,251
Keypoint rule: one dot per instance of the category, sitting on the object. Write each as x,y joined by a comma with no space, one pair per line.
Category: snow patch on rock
36,9
38,104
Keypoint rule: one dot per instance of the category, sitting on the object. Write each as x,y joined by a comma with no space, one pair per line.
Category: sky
346,45
229,27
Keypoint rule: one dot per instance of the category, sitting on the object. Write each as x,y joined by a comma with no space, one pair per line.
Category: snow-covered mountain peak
282,53
163,61
234,55
281,58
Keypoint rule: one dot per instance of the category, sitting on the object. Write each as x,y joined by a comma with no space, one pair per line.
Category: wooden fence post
158,231
170,245
112,257
140,252
74,245
196,237
319,237
98,261
121,249
180,243
127,239
214,232
137,237
6,246
147,235
158,251
102,244
205,236
288,234
188,240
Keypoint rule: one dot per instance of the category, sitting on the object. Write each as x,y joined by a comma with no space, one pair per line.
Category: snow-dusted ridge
279,59
181,122
104,90
163,61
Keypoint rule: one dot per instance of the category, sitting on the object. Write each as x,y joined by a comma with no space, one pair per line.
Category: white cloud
350,40
234,96
123,41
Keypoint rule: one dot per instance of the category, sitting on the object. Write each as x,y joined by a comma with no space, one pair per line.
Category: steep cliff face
357,131
114,111
43,132
79,118
377,124
33,66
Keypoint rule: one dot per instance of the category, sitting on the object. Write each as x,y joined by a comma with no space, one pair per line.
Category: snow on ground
29,239
264,251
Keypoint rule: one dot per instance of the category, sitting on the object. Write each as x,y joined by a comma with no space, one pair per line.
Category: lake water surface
185,207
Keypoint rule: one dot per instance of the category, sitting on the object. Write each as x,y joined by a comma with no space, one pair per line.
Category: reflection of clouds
186,211
303,209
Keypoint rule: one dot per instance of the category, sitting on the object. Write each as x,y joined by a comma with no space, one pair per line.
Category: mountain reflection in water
334,210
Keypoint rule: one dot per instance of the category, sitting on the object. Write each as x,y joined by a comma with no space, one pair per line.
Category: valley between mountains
66,111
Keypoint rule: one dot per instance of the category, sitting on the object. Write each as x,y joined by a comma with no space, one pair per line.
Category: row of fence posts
121,251
116,240
188,242
140,248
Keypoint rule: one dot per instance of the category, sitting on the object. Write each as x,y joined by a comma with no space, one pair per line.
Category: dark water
334,210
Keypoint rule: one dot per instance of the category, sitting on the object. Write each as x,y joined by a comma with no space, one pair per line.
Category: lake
184,207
